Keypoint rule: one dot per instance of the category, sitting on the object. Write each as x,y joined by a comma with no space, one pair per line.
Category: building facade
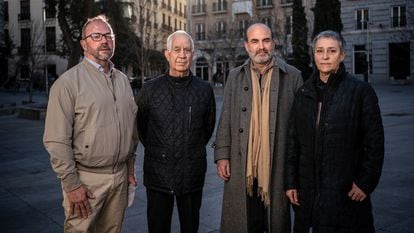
34,31
379,33
154,21
219,26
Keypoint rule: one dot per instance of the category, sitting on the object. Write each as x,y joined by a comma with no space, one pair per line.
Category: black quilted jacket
176,118
347,147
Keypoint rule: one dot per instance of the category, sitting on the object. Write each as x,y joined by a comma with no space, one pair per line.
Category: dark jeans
160,208
256,213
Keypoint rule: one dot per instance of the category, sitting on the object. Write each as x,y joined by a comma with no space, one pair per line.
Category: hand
79,203
356,194
132,180
293,196
223,169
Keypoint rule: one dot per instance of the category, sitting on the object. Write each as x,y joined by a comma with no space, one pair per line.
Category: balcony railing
199,9
166,27
25,16
264,3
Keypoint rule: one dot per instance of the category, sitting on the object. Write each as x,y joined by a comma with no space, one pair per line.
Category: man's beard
261,59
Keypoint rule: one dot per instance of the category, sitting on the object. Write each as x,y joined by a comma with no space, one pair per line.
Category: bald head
252,29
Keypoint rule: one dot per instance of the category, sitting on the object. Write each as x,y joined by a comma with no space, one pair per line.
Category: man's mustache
104,47
262,50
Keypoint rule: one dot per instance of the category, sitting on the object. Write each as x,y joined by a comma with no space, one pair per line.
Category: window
360,59
264,3
169,23
6,11
200,34
398,16
25,39
243,24
220,5
199,7
289,25
50,39
362,18
175,25
267,21
50,10
24,10
221,29
148,18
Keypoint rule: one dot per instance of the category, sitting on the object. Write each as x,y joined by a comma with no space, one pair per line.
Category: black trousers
256,213
160,209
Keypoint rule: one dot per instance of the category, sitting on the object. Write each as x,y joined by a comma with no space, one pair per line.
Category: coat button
241,130
244,109
163,155
246,88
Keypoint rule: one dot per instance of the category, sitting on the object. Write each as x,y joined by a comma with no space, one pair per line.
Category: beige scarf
258,153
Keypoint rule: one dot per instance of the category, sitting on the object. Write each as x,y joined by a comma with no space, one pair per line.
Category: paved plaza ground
30,194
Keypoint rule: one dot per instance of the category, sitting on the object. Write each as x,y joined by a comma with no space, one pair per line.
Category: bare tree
147,30
32,55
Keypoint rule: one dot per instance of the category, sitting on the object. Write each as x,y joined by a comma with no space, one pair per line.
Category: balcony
286,3
23,50
199,9
166,27
242,7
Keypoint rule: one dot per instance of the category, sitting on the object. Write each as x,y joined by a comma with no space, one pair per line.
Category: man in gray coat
251,135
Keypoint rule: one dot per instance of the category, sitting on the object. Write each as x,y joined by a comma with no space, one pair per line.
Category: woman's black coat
322,163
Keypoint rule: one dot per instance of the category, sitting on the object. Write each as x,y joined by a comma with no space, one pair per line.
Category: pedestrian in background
91,136
251,135
335,147
176,119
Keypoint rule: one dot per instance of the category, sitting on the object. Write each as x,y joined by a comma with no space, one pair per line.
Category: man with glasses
91,136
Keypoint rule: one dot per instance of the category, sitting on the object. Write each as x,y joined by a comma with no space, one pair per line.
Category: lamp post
366,77
45,50
367,52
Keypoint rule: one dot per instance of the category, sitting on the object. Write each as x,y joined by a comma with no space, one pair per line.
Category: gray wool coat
232,140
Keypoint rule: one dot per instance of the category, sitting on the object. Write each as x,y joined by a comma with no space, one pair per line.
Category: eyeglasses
98,36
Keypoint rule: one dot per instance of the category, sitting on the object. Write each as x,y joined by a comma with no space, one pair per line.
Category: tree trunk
73,45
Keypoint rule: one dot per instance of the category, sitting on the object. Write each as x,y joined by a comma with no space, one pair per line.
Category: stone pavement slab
30,194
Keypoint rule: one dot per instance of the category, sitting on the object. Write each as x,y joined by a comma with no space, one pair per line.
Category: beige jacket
90,124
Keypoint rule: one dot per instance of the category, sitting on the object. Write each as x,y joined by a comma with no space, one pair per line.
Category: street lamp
367,50
45,49
366,77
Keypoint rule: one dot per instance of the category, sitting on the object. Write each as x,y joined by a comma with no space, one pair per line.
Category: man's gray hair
329,34
101,18
179,33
